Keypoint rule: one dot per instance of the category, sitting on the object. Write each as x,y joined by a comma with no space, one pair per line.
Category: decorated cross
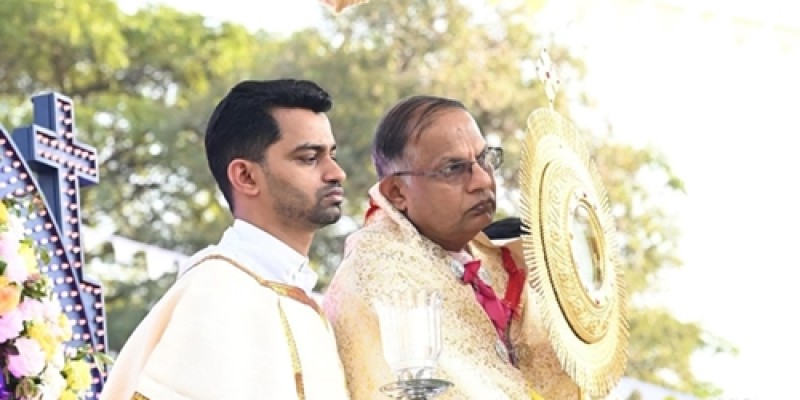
546,72
61,162
45,161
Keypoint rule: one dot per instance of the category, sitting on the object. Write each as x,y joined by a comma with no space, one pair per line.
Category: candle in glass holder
410,330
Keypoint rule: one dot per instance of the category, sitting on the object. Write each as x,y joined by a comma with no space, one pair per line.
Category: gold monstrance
570,248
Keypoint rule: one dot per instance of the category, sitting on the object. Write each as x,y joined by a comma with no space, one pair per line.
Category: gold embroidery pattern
389,254
586,321
139,396
293,292
296,366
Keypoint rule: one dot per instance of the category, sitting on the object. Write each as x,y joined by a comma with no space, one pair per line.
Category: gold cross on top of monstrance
546,72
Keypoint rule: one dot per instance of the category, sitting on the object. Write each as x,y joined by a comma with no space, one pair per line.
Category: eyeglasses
490,160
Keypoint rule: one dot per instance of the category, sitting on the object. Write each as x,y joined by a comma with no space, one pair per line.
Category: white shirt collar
264,254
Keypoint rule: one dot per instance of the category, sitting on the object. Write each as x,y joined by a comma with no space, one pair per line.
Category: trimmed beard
294,205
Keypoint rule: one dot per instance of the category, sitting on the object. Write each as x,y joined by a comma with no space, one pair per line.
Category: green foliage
656,352
636,395
130,292
145,85
127,302
640,183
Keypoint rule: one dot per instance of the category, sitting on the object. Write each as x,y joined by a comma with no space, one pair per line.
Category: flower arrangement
35,361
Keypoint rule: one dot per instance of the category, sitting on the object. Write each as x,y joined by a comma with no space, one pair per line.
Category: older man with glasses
423,229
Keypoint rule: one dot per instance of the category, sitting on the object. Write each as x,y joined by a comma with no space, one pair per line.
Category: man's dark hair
242,124
406,120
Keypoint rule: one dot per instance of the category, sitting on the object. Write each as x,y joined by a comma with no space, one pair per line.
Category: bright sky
717,93
714,85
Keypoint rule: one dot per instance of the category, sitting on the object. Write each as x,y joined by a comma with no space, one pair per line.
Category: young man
238,323
435,195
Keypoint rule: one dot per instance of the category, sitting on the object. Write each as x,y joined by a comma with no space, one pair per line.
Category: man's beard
293,205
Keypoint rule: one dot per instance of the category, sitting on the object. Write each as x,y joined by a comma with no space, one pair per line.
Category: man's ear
393,188
242,176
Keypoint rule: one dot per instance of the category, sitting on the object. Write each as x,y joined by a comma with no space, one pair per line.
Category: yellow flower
68,395
44,336
65,326
29,257
79,376
3,214
536,396
9,295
